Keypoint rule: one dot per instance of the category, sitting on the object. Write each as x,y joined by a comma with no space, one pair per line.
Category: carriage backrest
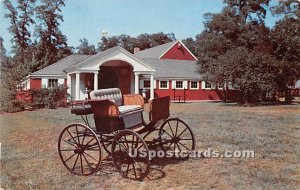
112,94
159,108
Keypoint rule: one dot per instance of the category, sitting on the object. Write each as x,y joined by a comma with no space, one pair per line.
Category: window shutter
213,85
141,84
173,84
61,81
44,83
202,84
185,84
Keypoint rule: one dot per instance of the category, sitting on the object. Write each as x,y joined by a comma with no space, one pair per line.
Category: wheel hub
79,150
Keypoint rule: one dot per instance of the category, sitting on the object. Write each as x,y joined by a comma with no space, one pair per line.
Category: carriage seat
109,106
124,103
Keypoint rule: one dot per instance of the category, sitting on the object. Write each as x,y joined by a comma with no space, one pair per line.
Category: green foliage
85,49
237,48
49,98
143,41
52,45
30,54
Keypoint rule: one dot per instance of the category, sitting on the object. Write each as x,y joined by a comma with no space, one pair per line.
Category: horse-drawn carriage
119,130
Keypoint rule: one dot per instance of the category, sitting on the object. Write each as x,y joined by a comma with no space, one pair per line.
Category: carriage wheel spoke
68,142
168,133
77,135
90,141
81,163
171,128
90,156
87,162
72,136
84,136
134,170
70,157
176,128
182,132
75,162
178,147
169,146
127,169
139,165
184,146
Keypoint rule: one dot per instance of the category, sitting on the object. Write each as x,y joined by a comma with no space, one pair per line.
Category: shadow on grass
156,167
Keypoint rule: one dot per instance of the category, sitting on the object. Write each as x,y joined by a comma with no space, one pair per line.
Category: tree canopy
237,48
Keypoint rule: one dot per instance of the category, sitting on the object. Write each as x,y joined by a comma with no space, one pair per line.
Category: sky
88,18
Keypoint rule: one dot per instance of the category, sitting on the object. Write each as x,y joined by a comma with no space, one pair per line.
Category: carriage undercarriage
82,147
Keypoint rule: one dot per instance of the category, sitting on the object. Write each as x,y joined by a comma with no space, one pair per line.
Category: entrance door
108,78
115,77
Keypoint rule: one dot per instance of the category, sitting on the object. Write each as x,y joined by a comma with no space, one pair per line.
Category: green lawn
29,157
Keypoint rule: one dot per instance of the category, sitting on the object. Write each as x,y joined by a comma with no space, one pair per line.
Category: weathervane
104,33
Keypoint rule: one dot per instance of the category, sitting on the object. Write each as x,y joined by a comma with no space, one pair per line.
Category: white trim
189,51
197,85
48,76
169,49
161,87
183,46
176,85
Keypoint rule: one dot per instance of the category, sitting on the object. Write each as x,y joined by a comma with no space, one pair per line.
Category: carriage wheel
79,149
106,141
129,165
177,138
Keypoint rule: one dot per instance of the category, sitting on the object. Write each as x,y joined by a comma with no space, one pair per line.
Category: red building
169,69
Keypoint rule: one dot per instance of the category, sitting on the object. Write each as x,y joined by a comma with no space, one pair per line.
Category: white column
136,83
77,87
151,87
69,84
96,80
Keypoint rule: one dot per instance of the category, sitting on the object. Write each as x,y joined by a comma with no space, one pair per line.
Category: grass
29,158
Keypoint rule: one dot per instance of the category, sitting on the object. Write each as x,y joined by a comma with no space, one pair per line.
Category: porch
110,74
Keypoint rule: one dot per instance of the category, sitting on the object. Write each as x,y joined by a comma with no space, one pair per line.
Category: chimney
136,49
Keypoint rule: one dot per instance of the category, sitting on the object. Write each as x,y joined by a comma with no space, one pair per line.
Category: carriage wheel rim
176,140
79,151
132,162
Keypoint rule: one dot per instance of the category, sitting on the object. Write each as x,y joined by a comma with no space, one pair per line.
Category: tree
3,56
20,19
286,45
142,41
85,49
235,48
107,43
52,45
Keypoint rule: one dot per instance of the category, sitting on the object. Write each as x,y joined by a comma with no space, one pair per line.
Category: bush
15,106
49,98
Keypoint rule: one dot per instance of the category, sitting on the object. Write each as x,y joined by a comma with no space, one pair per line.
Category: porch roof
116,53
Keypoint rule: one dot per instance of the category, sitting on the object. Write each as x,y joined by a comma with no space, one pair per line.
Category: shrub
49,98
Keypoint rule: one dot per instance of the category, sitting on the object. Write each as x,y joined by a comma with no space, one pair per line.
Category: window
52,83
207,85
146,83
220,86
164,84
194,85
179,85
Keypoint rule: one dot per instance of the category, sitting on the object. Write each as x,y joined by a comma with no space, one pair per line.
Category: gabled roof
175,69
155,52
58,67
104,56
